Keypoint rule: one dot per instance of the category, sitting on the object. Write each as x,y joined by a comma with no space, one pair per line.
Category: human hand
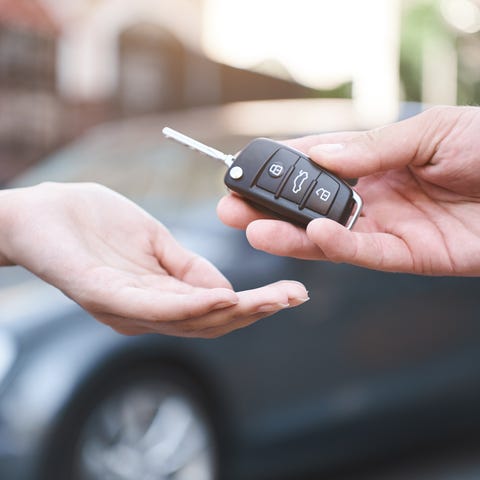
421,190
123,266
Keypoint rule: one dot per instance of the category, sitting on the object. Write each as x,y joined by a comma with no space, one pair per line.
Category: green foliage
420,21
423,22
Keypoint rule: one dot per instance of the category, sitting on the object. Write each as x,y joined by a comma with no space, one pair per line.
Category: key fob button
276,169
322,195
236,172
299,182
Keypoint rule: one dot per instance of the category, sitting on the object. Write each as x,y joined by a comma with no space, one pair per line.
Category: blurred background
377,377
66,66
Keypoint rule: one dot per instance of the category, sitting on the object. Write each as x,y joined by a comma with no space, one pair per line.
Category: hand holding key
421,190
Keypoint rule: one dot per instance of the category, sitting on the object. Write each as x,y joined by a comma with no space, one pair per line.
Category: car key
283,181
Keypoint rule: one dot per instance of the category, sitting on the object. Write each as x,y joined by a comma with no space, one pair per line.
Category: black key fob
287,183
283,181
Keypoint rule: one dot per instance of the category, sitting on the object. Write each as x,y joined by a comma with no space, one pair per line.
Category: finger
253,305
304,144
259,301
221,330
236,212
363,153
379,251
152,304
131,327
282,238
186,265
217,326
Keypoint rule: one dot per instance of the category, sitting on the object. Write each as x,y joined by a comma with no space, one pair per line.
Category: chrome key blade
200,147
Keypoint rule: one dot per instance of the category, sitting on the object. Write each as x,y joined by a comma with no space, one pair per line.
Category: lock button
276,169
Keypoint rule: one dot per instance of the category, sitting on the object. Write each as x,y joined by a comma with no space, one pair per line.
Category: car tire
140,424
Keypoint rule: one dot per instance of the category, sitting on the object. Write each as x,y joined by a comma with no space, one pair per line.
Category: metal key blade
200,147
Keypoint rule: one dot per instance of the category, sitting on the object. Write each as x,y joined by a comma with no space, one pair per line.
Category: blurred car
373,367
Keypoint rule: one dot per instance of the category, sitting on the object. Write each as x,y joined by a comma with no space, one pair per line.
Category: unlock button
322,194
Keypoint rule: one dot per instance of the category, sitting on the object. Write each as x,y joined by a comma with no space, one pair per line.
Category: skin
123,266
420,182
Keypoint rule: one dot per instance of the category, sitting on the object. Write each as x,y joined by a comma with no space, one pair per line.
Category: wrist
9,217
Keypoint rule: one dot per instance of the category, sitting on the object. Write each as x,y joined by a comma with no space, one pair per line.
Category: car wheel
148,429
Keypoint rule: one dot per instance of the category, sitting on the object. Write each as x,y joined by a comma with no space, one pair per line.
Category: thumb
185,264
356,154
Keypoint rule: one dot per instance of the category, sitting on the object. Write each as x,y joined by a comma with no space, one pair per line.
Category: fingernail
327,148
272,307
298,301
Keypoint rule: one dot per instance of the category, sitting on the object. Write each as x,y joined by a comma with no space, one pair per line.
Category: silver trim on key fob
359,204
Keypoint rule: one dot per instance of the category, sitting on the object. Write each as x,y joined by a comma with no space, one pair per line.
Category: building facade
30,110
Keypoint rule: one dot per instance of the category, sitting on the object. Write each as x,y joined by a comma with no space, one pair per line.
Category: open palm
124,267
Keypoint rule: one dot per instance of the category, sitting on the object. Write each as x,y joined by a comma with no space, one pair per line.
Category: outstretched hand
123,266
420,183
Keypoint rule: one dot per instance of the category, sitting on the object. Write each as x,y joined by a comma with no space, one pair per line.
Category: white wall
87,60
